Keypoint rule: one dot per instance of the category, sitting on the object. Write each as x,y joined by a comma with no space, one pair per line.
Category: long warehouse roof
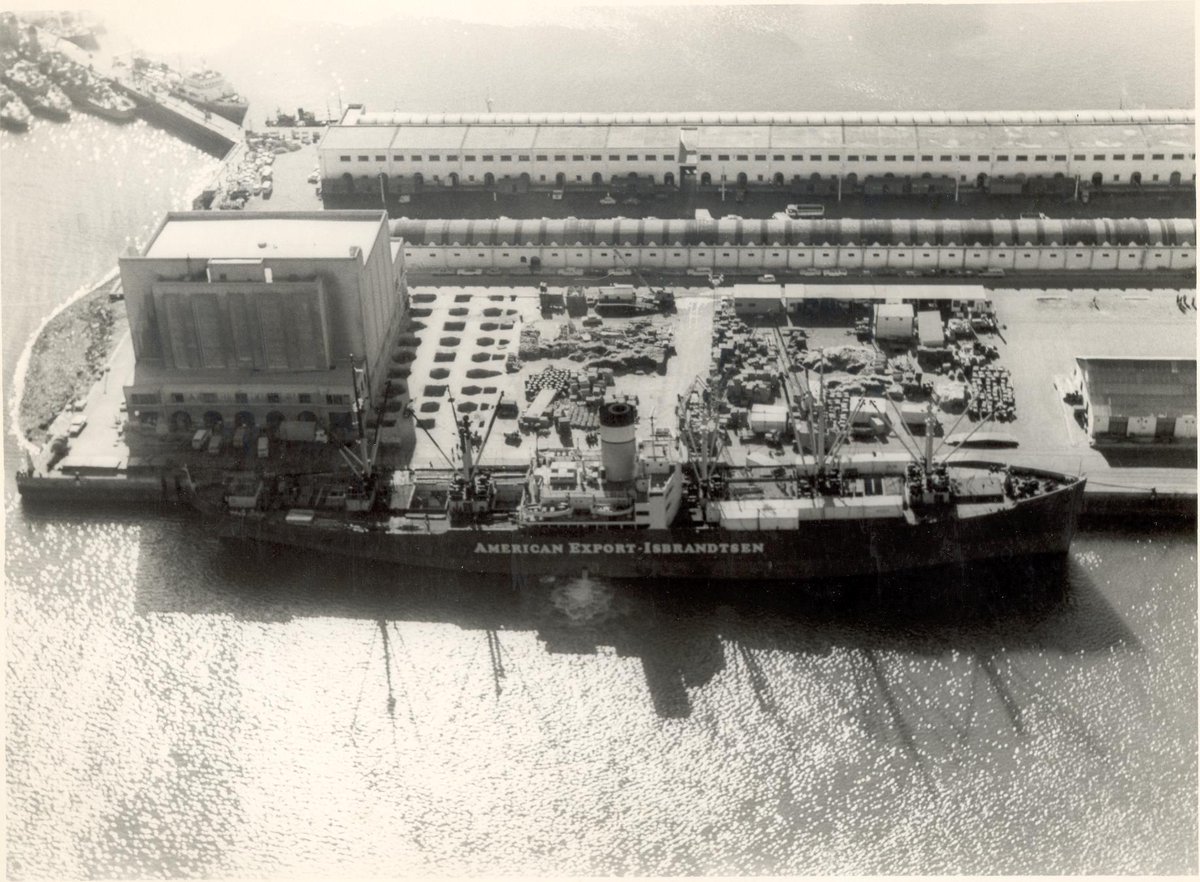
653,231
356,115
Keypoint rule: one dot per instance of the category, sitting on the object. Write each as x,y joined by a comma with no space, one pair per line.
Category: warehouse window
241,398
1156,156
909,158
542,157
540,178
1040,158
887,158
654,254
1139,156
577,157
1099,157
760,177
1119,156
707,157
926,157
344,158
722,157
983,159
381,159
834,157
1116,177
649,157
272,398
368,159
1060,157
816,158
743,157
946,158
337,399
1003,157
304,398
469,157
1177,156
760,157
504,254
1154,177
870,157
416,158
613,157
579,177
675,254
1021,157
632,157
724,253
560,157
964,159
503,157
778,157
451,157
487,157
434,157
1079,157
596,157
177,397
853,157
523,157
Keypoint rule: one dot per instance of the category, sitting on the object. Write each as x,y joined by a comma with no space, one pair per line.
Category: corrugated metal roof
810,233
1141,386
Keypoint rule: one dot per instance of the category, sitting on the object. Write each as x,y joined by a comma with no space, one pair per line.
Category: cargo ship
13,112
667,506
208,90
86,89
35,88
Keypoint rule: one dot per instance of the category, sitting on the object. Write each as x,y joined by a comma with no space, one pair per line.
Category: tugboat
13,112
35,88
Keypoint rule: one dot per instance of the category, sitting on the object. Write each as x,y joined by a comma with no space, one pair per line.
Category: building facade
572,246
813,153
250,319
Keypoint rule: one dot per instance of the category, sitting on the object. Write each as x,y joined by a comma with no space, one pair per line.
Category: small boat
13,112
35,89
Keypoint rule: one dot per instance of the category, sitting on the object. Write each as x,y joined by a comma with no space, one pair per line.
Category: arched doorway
274,418
489,180
244,418
523,181
212,419
597,179
981,181
306,416
1176,179
850,183
1136,179
742,179
418,180
181,421
560,180
778,179
453,179
705,180
669,179
348,182
1097,179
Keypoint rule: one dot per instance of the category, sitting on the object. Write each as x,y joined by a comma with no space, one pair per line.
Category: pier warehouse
250,319
731,245
1138,398
821,154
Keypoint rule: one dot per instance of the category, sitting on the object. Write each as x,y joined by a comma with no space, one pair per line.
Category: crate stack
548,378
991,394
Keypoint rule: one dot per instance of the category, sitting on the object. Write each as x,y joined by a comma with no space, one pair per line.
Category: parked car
77,424
200,439
766,278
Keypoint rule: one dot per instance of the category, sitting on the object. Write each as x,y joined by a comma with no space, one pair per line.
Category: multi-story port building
250,319
796,246
820,153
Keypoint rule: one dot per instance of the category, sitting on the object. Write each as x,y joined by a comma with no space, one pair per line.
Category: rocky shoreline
67,359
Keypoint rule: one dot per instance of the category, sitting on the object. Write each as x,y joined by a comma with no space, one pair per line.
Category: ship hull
825,550
36,104
235,112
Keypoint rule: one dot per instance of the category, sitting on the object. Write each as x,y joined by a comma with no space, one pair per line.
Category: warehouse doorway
1097,179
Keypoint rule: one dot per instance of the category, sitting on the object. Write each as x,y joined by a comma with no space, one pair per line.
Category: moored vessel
13,112
87,90
209,91
667,507
34,88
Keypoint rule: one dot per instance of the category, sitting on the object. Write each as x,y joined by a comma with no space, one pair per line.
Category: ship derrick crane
664,297
700,428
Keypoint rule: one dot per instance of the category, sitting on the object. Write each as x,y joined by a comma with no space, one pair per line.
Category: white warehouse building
817,153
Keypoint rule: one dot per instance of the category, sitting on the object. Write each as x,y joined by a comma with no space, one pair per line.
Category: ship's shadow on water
683,632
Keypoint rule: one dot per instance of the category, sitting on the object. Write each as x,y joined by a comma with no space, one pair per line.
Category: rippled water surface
178,707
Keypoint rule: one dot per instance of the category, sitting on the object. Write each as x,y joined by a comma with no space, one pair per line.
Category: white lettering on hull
609,548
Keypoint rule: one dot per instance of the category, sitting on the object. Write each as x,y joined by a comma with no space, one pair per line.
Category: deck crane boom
664,297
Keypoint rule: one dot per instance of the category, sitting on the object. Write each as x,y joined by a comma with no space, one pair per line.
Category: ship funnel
618,450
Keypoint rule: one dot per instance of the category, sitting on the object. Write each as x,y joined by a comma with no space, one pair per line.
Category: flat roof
757,291
422,137
358,137
499,138
655,137
212,234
